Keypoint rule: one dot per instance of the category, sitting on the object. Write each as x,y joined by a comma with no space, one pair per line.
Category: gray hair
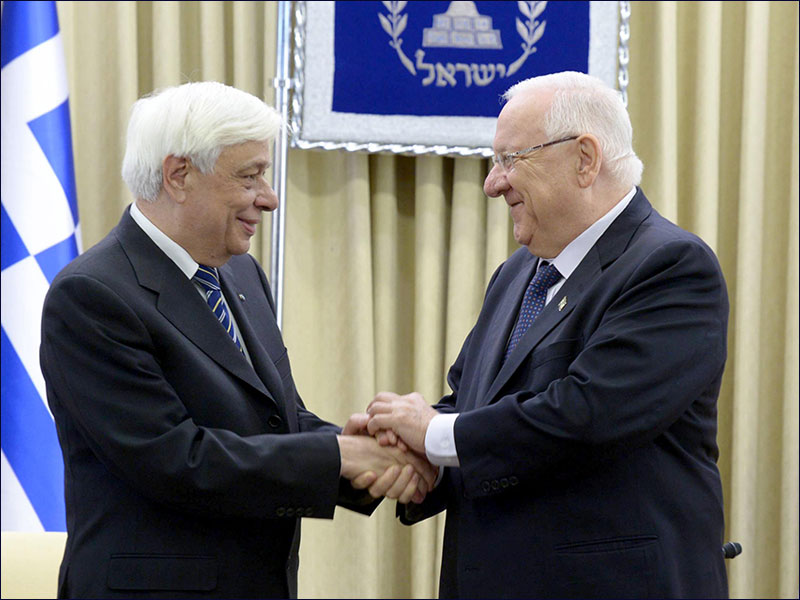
586,104
194,120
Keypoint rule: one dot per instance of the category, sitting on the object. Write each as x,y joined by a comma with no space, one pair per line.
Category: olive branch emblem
394,25
530,31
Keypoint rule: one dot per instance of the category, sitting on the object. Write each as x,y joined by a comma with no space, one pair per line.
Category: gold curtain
387,257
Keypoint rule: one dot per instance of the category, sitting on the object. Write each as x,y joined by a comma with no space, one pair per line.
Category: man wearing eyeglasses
578,448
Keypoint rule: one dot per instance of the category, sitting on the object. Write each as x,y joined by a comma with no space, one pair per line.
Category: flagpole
282,84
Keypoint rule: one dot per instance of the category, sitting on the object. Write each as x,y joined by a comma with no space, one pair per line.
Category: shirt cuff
440,441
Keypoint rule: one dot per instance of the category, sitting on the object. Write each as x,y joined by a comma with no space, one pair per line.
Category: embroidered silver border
296,85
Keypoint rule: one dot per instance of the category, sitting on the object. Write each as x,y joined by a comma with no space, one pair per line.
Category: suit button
274,421
281,511
290,512
495,484
504,482
513,480
486,486
309,512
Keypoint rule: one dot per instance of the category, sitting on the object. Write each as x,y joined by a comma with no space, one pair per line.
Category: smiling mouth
249,226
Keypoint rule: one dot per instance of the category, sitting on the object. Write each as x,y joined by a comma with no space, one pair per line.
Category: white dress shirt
440,441
177,254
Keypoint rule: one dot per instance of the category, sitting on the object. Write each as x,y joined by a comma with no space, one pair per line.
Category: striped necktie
209,283
533,302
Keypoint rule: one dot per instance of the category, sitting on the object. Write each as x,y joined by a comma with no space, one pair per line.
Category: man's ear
174,170
590,159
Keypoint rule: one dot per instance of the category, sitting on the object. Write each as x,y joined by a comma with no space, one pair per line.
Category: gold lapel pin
562,304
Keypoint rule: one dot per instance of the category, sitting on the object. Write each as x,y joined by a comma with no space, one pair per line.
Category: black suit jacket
588,459
181,480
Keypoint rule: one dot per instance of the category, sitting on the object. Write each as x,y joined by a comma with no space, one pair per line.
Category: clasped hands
383,449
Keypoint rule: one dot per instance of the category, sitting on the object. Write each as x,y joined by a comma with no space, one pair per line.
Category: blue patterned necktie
532,303
209,282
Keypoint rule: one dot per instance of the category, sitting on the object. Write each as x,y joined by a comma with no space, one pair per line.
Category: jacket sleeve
348,497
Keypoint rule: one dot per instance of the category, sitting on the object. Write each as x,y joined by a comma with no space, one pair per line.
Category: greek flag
39,236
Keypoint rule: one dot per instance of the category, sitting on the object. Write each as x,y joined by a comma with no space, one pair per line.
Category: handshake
383,449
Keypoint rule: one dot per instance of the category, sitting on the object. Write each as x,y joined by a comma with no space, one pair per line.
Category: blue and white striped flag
40,235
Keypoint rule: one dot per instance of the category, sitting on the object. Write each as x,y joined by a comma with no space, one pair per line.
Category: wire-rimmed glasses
506,159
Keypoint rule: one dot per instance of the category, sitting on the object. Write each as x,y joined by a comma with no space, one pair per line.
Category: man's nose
495,183
267,199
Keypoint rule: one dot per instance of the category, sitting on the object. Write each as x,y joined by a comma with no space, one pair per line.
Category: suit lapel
502,322
180,303
607,249
573,290
263,362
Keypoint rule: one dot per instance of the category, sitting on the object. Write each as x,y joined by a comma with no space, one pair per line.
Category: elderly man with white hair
189,455
578,446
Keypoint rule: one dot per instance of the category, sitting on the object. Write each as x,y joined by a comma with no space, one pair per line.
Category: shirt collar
168,246
571,256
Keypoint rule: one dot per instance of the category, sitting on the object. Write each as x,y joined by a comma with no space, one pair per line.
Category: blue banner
419,77
450,58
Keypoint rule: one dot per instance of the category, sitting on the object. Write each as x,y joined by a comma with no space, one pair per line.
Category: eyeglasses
506,160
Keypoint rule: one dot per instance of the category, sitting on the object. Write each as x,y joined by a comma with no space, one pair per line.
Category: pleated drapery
387,257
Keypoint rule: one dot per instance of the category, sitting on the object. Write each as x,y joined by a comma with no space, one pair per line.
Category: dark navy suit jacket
180,478
588,460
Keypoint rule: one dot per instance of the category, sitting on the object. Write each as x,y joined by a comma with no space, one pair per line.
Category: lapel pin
241,297
562,304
